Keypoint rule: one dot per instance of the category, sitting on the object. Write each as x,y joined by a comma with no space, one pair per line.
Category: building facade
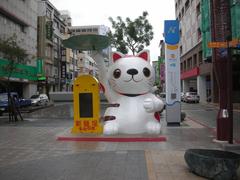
52,29
196,58
19,18
196,72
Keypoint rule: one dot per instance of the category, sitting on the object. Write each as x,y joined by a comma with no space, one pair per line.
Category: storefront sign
63,70
191,73
49,30
40,71
18,70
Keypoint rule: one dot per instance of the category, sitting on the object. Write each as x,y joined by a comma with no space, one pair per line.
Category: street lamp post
222,65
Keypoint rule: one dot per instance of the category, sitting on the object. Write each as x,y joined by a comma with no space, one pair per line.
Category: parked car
19,102
39,99
182,96
191,97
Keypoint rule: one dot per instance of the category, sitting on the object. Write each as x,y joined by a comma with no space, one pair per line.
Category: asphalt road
207,115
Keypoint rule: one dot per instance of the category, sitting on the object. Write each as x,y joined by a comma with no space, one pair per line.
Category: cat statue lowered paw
128,84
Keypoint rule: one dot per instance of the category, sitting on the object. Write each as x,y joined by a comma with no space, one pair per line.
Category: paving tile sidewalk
30,149
168,165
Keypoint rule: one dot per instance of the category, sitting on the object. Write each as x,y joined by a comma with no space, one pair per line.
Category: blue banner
171,32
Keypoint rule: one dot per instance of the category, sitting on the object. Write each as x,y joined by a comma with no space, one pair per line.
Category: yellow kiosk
86,87
86,102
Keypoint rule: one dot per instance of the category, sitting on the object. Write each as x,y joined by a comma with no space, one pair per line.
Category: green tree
11,51
131,35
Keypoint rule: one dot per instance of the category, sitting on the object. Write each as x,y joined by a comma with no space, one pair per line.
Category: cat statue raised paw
128,85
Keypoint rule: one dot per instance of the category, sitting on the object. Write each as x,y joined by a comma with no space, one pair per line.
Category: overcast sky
97,12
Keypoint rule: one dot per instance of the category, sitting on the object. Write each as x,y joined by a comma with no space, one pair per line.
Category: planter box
213,164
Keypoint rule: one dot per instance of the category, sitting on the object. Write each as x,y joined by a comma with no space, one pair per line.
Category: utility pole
222,66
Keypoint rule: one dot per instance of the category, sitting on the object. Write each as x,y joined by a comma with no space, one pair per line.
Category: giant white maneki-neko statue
128,84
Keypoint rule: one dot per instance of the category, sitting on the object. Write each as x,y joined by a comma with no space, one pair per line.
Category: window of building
187,4
55,71
55,24
23,28
89,30
95,30
200,57
55,54
48,51
179,16
194,60
182,11
48,13
199,33
198,9
189,63
47,70
55,40
181,50
84,30
63,52
62,29
182,67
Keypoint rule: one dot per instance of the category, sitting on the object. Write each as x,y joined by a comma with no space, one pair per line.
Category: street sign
172,72
226,44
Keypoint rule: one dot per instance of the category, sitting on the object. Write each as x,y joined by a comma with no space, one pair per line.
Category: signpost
172,67
222,64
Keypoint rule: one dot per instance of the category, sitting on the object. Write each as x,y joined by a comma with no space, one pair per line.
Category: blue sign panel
171,31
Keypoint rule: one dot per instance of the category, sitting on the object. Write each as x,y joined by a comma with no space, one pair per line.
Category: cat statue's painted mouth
133,80
132,95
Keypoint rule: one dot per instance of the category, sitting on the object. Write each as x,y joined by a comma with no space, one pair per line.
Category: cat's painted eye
116,73
146,72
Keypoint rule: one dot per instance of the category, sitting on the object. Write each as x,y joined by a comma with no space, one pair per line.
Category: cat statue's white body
128,84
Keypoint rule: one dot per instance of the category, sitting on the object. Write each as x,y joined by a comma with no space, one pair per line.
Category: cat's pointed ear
144,55
116,55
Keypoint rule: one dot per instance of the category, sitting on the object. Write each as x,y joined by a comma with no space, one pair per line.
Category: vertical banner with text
63,72
172,72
